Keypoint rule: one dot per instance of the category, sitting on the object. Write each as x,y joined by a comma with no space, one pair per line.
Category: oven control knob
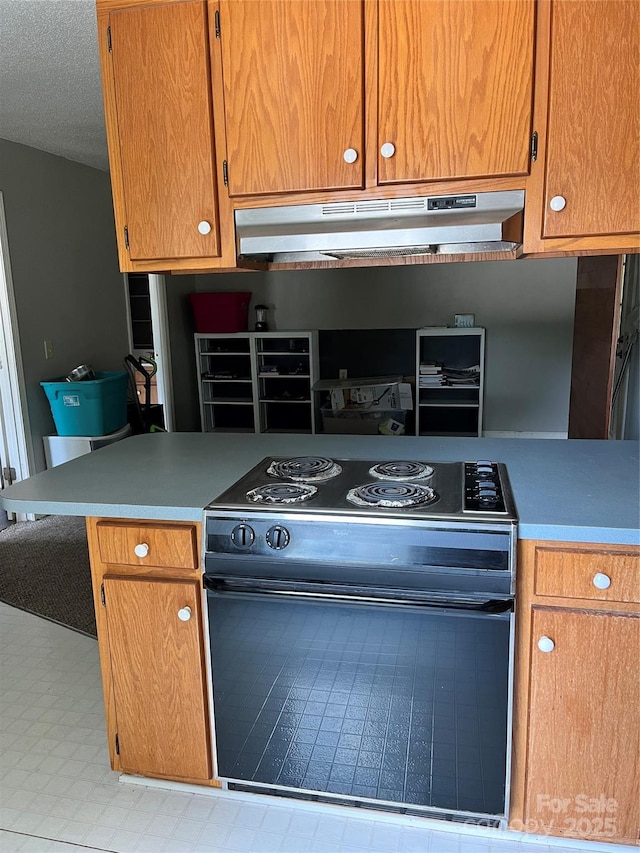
243,536
277,537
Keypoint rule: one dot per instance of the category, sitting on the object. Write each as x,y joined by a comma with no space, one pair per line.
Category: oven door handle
329,592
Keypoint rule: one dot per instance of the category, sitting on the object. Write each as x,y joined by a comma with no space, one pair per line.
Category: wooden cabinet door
455,88
293,88
161,71
583,766
593,135
158,676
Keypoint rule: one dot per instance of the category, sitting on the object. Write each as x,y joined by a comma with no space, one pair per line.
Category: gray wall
65,271
526,306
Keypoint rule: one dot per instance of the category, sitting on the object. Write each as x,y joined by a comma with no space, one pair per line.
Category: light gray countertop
564,490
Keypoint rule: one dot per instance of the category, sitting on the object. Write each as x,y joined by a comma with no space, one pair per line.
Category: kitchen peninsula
578,585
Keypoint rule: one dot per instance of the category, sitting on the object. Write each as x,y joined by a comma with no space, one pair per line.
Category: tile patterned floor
58,794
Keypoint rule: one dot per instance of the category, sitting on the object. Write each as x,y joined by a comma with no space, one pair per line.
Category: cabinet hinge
225,173
102,598
217,23
126,237
117,745
109,39
533,150
8,475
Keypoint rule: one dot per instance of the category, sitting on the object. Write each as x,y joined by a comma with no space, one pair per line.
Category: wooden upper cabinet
593,131
165,145
454,88
294,91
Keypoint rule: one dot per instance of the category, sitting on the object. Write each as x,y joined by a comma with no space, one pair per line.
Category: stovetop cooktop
396,488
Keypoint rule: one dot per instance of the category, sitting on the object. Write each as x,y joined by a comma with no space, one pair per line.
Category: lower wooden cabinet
576,768
151,635
155,646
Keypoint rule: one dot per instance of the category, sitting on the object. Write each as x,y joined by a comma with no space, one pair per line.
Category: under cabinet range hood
382,228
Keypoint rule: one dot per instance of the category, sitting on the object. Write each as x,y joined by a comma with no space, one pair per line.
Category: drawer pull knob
387,149
601,581
184,614
141,550
558,203
546,644
350,155
204,227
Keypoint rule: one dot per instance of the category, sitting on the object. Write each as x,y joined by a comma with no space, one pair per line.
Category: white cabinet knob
141,550
204,227
558,203
601,581
387,150
184,614
546,644
350,155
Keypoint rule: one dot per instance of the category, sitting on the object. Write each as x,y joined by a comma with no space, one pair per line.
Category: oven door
365,696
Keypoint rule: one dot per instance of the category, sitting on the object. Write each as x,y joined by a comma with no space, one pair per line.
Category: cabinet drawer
161,545
600,575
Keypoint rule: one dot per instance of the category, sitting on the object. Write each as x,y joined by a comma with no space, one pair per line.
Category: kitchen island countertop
565,490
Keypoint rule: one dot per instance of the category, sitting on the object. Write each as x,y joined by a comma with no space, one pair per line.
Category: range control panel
483,490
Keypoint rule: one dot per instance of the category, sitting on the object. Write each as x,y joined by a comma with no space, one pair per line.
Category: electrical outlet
342,373
48,349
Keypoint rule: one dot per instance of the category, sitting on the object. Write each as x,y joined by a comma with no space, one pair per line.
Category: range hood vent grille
384,227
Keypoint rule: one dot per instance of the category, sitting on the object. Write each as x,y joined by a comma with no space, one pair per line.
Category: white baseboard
511,434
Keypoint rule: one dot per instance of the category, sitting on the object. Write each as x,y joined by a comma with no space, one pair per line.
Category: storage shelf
456,409
232,429
284,376
277,400
258,402
448,387
456,405
229,401
269,353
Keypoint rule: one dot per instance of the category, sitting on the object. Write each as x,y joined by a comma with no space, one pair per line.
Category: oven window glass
396,703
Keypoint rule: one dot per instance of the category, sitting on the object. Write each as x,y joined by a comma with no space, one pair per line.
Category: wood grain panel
158,676
595,337
161,72
593,143
569,573
584,694
170,545
455,88
294,92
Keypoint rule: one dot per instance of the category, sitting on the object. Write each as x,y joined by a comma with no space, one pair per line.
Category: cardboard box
376,394
353,422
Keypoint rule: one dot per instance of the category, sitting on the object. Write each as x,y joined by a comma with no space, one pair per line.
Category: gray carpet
44,569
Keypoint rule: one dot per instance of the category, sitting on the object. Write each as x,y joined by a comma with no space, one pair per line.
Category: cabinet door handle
546,644
350,155
184,614
388,149
558,203
601,581
141,550
204,227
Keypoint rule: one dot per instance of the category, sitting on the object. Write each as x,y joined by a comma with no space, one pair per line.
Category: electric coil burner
401,471
308,469
396,495
360,624
281,493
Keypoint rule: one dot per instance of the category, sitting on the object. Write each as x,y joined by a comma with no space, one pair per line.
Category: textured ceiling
50,96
